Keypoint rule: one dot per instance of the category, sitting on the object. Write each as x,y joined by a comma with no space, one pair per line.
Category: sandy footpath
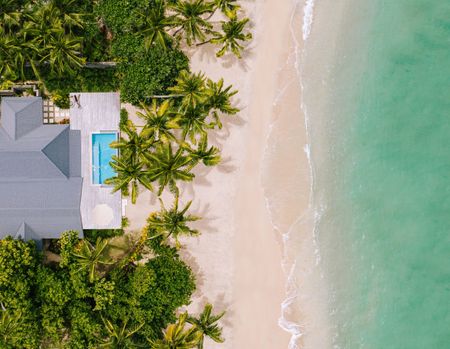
238,257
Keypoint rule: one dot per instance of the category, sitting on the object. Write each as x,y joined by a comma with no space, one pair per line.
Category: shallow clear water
381,155
101,156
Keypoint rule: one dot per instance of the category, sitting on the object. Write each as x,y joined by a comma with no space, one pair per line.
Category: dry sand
238,258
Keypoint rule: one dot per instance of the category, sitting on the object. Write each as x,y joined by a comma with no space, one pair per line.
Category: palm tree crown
208,156
207,325
191,87
12,59
135,144
90,257
160,121
218,99
129,172
193,122
233,34
167,167
177,336
228,7
153,25
64,53
172,222
120,337
8,325
188,18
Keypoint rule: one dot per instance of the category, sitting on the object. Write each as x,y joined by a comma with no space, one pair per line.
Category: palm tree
177,337
120,337
191,87
167,167
218,99
90,257
172,222
10,15
228,7
153,25
8,326
233,33
188,19
70,20
129,172
63,53
207,325
193,122
160,120
42,23
209,156
135,145
12,59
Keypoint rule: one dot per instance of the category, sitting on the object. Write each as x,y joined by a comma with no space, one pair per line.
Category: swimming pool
101,156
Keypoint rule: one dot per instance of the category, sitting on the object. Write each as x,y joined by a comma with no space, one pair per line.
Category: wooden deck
94,113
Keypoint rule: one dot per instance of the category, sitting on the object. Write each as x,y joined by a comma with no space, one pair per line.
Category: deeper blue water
101,156
383,180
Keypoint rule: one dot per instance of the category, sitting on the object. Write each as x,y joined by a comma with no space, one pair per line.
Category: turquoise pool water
101,156
381,154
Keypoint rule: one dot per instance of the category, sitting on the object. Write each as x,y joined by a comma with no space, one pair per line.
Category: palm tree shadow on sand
190,260
229,122
226,165
204,225
207,54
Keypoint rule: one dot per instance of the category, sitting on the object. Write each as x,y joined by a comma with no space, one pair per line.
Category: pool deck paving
96,113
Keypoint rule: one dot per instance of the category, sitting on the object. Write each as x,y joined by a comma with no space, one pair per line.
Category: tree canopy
59,301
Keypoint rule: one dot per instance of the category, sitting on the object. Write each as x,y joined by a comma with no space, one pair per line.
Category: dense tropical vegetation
110,290
103,294
135,46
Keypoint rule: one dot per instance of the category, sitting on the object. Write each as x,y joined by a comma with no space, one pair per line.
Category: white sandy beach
238,257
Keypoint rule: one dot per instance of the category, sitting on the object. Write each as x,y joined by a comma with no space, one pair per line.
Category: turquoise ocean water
381,158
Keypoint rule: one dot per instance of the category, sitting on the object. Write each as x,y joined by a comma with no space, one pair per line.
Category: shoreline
289,193
254,300
242,259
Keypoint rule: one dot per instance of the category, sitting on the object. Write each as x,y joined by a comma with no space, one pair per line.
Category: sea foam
303,12
308,16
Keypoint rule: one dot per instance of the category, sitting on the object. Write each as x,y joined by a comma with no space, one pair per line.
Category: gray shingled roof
40,177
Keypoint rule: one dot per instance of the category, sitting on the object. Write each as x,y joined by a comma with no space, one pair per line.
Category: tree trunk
87,65
164,96
100,65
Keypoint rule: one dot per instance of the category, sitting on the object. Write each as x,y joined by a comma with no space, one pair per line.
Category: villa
52,175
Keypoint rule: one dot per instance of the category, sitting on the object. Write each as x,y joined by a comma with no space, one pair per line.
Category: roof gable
21,115
57,151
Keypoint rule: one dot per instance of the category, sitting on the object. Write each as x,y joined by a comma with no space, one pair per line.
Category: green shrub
87,80
160,247
95,46
123,121
18,264
151,74
117,14
93,234
127,47
174,285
